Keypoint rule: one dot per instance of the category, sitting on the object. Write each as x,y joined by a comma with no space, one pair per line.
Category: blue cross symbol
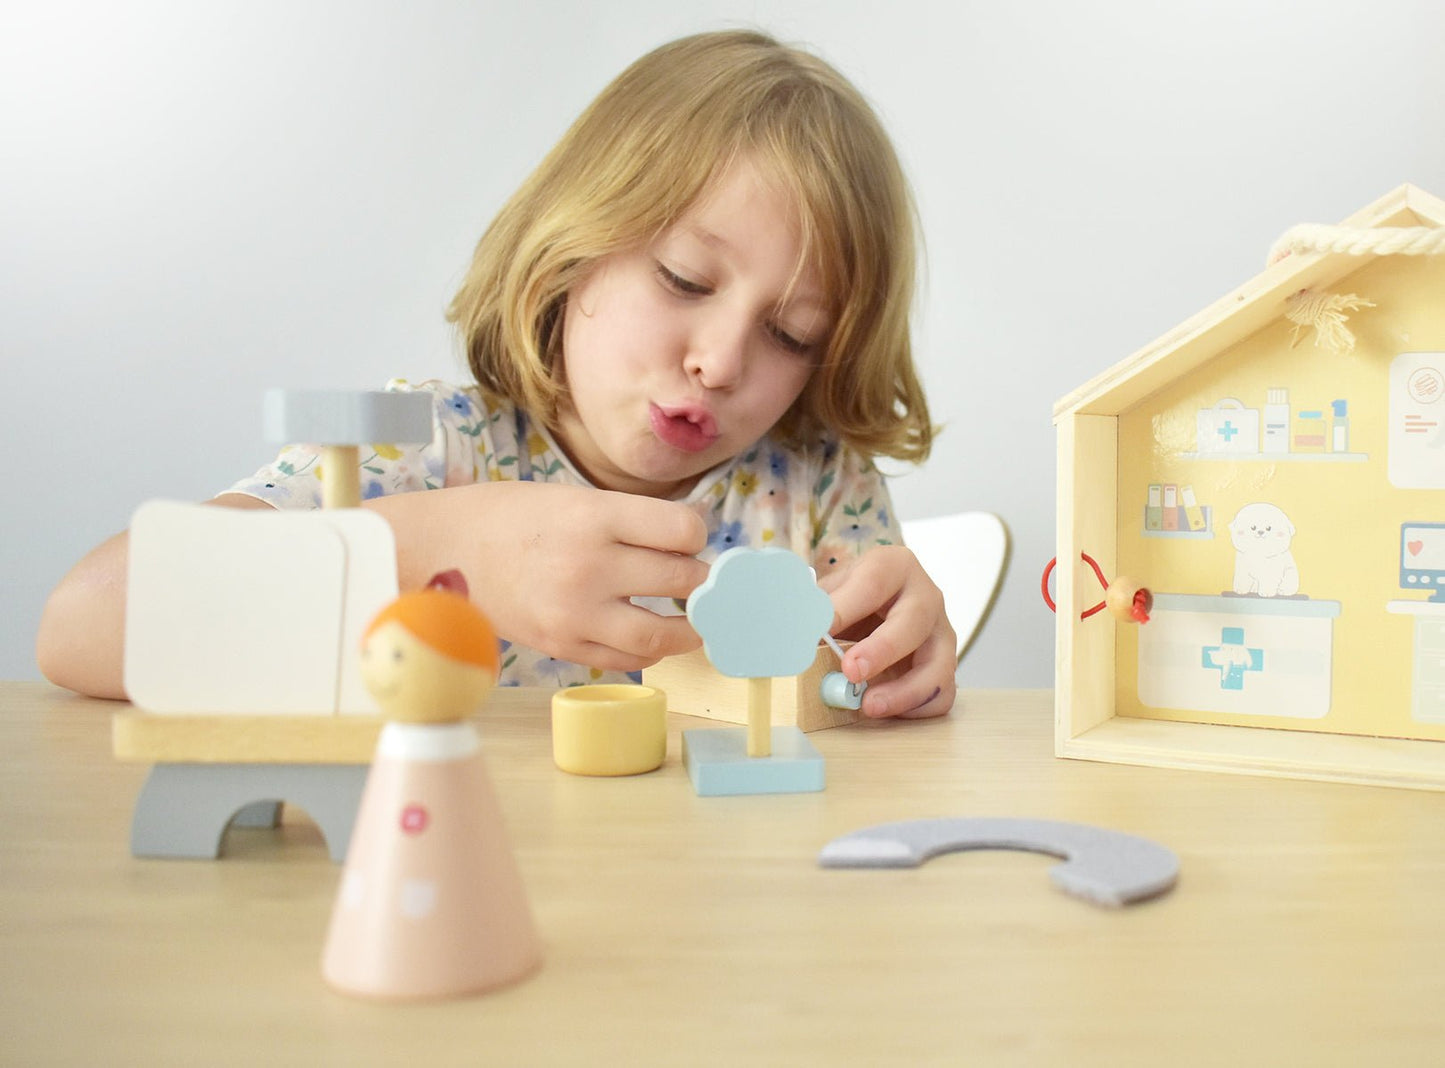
1227,431
1232,658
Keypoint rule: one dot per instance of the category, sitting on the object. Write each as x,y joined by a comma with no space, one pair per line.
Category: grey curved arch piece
1102,866
184,809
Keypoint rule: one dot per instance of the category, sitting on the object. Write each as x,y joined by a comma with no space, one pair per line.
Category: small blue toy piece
760,614
838,692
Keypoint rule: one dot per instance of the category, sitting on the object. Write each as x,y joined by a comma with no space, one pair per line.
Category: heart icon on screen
1415,547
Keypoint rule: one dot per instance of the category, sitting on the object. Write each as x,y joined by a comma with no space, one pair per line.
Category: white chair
966,555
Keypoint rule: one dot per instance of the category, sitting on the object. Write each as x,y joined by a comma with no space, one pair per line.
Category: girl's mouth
687,427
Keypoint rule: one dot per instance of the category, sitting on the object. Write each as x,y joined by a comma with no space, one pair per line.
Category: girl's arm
80,643
552,566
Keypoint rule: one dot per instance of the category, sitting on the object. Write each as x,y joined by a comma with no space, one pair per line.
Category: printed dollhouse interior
1284,504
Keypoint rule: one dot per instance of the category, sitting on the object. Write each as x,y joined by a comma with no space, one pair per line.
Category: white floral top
823,501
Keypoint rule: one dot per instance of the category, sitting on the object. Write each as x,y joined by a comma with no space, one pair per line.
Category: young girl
689,331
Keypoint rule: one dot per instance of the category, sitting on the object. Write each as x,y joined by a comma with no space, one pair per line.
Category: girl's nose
716,353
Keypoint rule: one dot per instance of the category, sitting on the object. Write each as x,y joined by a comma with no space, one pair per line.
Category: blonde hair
643,152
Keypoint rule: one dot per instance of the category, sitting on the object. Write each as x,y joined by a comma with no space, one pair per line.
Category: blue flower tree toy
761,615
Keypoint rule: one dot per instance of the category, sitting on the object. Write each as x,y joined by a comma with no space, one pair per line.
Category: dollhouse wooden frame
1087,424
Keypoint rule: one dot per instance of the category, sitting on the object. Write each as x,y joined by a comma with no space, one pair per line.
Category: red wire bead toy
1124,598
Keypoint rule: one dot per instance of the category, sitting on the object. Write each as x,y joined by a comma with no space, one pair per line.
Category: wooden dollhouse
1273,470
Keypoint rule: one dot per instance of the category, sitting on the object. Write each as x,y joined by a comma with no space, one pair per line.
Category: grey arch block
184,809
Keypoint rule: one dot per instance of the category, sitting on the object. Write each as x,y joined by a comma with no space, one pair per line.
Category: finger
914,618
870,585
633,638
927,688
940,704
654,524
634,572
605,658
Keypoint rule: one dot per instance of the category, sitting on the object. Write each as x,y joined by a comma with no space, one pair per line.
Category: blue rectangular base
717,761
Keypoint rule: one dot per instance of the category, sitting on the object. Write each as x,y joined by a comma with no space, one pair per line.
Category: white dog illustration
1263,564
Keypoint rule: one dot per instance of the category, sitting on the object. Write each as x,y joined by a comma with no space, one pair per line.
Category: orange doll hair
446,622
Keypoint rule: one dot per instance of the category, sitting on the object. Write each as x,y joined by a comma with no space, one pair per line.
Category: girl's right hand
555,567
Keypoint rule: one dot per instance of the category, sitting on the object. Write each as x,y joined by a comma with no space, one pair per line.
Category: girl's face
679,355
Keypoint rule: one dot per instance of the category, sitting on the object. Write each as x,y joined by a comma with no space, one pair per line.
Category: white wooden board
239,611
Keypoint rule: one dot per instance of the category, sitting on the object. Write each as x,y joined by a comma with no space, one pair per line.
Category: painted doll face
679,355
413,683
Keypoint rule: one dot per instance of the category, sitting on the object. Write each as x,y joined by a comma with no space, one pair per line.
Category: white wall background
199,200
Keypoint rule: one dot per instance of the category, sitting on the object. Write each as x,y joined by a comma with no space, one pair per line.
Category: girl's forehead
738,179
747,204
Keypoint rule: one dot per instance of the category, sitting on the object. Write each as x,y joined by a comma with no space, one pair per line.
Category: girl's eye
787,342
678,284
686,287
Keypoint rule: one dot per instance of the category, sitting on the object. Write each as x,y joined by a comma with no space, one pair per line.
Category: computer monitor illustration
1422,558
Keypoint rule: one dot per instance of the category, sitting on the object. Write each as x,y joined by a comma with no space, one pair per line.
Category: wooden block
184,809
144,737
695,688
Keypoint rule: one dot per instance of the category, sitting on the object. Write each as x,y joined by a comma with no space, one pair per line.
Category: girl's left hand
887,601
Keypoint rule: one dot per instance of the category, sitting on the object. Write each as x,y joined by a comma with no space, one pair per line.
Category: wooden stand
213,772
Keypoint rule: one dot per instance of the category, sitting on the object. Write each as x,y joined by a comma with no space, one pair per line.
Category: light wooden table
1308,926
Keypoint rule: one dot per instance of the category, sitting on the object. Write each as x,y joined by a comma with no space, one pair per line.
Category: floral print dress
822,501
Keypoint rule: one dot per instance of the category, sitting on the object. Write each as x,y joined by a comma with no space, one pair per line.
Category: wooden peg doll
431,903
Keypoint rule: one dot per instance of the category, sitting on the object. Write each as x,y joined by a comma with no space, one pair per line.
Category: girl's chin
661,484
665,476
646,466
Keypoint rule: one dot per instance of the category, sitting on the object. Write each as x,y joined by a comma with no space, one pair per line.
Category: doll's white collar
428,741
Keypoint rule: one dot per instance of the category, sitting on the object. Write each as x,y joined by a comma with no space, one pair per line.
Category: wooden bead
1128,601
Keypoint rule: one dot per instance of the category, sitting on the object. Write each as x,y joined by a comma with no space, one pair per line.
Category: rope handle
1327,313
1359,240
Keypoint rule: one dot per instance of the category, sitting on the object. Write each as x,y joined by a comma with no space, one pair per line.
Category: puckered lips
689,427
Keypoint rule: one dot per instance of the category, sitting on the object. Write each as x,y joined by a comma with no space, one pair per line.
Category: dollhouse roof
1237,315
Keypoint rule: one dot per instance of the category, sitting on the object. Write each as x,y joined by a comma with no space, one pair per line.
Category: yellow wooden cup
609,729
